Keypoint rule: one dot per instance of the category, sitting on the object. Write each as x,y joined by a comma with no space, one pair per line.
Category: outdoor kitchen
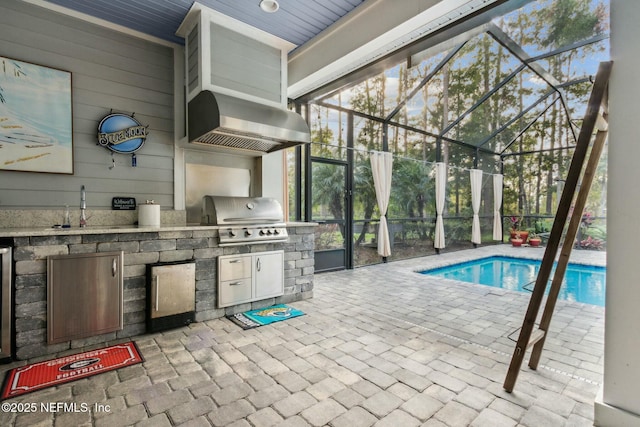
168,169
168,244
108,263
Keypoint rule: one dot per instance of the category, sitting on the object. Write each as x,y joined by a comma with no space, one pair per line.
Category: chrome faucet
83,207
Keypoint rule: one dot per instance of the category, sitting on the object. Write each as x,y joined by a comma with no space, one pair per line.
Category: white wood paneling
618,403
244,64
296,21
110,70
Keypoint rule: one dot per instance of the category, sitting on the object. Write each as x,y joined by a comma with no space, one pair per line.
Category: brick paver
323,412
355,417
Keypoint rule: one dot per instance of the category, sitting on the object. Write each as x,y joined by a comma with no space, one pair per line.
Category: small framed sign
123,203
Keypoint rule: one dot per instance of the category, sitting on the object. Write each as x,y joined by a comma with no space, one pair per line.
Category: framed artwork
36,130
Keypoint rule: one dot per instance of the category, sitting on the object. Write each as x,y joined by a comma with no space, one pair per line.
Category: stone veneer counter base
141,246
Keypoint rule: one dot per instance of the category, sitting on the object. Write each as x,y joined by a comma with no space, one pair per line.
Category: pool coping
594,258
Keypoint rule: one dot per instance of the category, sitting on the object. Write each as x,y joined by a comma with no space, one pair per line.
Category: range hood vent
225,121
236,79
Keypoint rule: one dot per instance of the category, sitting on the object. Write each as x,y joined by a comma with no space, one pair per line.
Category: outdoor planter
516,242
519,233
535,242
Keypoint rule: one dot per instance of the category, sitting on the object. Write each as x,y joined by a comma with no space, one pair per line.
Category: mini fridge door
171,294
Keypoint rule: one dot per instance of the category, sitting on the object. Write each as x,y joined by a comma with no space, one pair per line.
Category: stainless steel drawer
234,268
231,292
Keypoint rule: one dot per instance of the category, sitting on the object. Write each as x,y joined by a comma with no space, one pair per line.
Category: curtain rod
396,156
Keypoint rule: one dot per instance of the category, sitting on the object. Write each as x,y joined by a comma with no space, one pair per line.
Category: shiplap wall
110,70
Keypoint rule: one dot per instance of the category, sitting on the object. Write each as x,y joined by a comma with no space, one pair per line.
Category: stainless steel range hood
225,121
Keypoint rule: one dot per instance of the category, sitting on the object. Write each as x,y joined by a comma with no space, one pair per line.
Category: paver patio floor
379,345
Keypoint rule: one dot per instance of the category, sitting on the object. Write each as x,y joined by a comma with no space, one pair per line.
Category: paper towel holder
149,214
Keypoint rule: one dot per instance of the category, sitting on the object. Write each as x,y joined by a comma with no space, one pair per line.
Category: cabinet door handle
157,291
235,283
234,261
258,265
114,267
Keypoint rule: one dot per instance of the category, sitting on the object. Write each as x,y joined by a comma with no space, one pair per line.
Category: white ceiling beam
367,33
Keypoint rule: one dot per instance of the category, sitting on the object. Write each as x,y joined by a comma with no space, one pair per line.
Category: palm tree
328,190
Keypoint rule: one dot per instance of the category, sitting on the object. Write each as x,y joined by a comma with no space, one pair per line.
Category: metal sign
122,133
123,203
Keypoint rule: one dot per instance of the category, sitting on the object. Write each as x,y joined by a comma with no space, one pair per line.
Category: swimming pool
582,283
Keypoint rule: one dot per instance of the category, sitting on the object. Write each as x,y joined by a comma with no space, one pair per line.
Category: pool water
582,283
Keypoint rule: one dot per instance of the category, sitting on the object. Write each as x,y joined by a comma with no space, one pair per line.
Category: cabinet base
159,324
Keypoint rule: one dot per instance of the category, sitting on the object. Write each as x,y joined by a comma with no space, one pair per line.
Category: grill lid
225,210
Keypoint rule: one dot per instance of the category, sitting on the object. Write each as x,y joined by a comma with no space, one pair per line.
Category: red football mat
37,376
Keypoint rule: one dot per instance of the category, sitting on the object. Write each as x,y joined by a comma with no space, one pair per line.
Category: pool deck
379,345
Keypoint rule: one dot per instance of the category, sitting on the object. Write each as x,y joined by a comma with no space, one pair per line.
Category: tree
368,98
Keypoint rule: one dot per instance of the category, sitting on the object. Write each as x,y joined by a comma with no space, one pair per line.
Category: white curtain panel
476,194
382,167
441,186
497,202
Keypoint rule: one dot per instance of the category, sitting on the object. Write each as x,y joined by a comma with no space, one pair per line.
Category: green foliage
597,232
411,189
543,226
570,21
328,190
457,229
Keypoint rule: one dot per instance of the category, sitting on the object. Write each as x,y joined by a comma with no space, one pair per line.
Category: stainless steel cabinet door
6,300
84,295
268,275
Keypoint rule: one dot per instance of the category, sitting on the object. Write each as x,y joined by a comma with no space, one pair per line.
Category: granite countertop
104,229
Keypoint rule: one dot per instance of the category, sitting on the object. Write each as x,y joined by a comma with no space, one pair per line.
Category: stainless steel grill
245,220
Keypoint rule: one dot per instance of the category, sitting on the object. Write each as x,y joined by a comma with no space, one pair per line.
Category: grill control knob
248,232
269,232
262,233
276,231
233,233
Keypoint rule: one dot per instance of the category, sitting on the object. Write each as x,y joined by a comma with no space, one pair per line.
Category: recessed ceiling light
269,6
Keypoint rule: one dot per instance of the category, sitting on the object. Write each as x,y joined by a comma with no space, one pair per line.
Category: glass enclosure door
329,208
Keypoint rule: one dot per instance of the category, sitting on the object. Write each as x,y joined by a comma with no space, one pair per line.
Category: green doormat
264,316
